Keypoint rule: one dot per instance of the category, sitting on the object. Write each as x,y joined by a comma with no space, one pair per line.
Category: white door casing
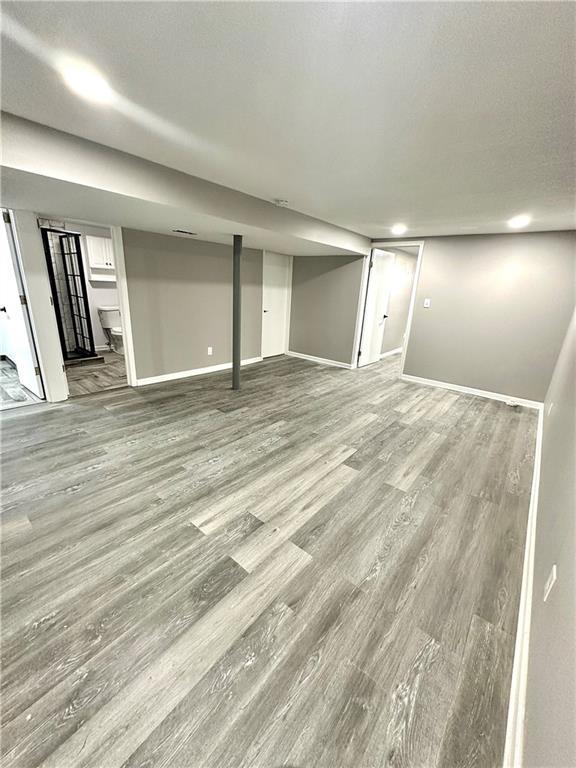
376,307
276,297
20,345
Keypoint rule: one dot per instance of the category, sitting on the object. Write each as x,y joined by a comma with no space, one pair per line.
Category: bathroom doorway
69,293
82,271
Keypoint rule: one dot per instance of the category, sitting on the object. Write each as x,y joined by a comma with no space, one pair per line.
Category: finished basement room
288,384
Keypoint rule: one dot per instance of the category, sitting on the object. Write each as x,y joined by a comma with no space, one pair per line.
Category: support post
236,312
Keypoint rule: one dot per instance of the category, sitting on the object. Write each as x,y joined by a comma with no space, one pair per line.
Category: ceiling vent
280,202
185,232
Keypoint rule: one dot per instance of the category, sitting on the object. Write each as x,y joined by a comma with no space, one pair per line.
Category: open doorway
82,271
20,376
389,291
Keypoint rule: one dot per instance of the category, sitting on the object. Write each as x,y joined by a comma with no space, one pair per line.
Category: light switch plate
426,303
550,581
210,351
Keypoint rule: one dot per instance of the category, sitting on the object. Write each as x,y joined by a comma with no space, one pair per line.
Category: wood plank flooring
319,571
89,378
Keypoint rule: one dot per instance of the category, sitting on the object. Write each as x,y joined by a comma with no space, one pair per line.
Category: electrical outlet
210,351
426,303
550,581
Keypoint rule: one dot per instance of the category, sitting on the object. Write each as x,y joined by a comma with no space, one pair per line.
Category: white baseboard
193,372
396,351
478,392
322,360
513,749
102,348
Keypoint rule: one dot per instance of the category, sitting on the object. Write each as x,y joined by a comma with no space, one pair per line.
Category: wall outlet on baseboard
210,351
550,581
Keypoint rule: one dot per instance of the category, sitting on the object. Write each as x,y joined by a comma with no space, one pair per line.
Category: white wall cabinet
100,256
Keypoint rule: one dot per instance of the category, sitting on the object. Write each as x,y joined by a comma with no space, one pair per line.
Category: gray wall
399,305
500,305
325,292
550,735
180,295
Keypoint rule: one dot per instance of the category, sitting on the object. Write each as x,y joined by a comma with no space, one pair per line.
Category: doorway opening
20,376
82,271
389,293
69,293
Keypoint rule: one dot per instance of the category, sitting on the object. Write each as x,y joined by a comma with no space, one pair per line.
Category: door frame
8,223
364,284
290,270
363,325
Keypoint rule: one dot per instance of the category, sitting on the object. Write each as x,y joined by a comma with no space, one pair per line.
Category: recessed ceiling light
398,229
520,221
85,81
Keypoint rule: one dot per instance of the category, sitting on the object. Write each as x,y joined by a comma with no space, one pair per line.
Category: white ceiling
450,117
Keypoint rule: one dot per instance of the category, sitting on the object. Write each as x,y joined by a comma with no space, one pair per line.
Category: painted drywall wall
325,294
36,149
500,305
180,296
550,737
403,279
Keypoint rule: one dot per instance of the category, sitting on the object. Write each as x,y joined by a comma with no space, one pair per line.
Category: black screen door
77,293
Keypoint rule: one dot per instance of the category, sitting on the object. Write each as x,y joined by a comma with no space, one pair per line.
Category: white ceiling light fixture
86,81
399,229
520,221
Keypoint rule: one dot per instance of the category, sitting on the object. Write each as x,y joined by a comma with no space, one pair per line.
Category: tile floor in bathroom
87,378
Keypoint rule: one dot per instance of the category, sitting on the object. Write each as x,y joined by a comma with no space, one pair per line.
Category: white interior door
17,341
276,295
376,308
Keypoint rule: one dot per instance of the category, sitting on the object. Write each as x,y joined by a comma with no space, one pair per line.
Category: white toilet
112,327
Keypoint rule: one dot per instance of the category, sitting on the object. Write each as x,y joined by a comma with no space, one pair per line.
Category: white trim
408,329
193,372
32,259
322,360
513,750
362,297
391,352
124,304
102,348
478,392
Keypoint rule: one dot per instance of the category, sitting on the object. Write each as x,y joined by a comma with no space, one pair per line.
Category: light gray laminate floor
322,570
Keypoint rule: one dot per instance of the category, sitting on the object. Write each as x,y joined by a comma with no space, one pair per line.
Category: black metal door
77,293
66,272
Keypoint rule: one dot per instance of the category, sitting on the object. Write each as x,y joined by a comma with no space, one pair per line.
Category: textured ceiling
450,117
